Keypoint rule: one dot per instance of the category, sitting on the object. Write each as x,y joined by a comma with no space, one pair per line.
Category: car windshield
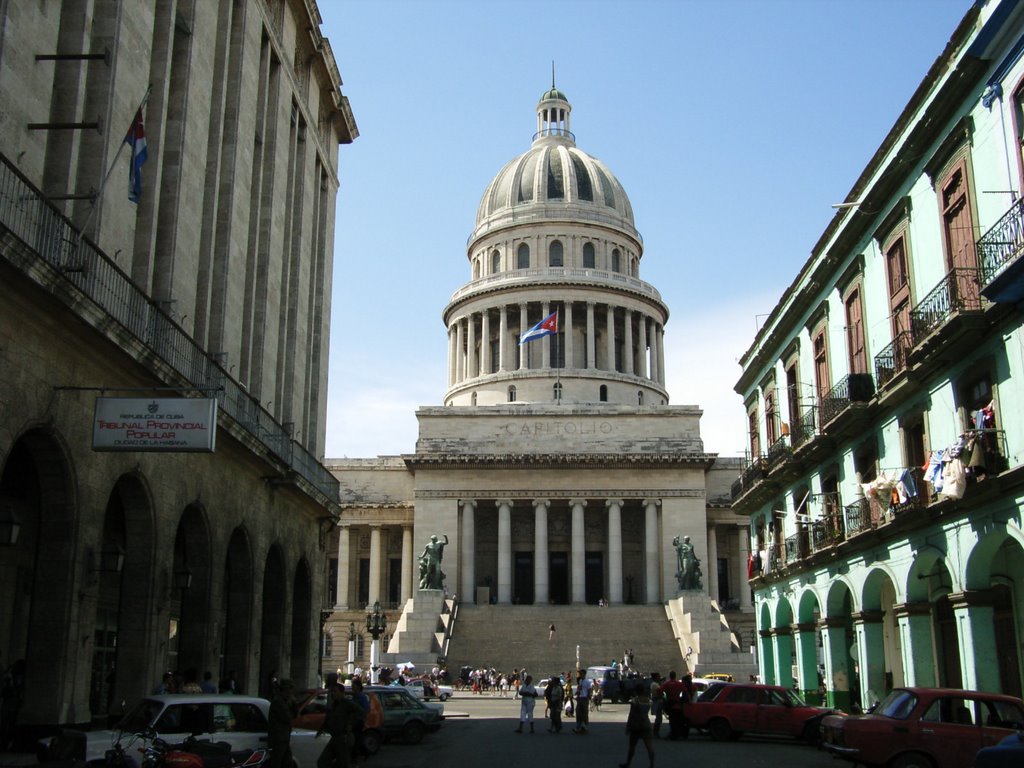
141,716
794,700
898,704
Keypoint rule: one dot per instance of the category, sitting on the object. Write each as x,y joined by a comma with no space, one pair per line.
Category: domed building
556,469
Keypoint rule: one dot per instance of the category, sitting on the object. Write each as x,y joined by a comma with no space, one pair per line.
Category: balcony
804,428
753,486
957,293
862,515
893,360
779,452
999,256
827,530
797,546
851,393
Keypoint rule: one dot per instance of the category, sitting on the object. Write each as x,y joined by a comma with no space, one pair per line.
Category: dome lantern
553,117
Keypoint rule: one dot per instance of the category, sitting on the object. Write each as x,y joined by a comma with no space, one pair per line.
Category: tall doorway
558,577
522,579
594,570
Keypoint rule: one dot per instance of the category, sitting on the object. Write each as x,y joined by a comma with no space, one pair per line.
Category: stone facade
115,567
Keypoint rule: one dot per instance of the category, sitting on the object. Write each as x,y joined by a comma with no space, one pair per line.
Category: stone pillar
591,337
807,661
610,341
485,343
524,349
742,579
766,657
579,571
344,552
711,569
460,358
504,551
782,639
867,628
540,551
545,350
627,337
451,355
407,591
503,340
614,551
375,563
467,551
661,354
654,351
471,353
979,662
652,582
914,621
838,671
643,346
570,347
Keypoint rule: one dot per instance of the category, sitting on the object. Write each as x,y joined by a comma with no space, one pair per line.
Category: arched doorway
879,657
302,618
838,645
272,622
190,593
237,611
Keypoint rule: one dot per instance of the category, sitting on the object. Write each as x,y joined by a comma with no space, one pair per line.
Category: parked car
313,709
406,717
426,689
723,676
614,686
933,727
729,710
241,721
707,688
1008,753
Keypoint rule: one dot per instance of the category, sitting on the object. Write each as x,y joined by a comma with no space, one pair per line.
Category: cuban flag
545,327
136,139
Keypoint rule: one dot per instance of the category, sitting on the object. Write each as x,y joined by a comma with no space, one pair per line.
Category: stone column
524,348
451,355
643,346
591,338
471,353
540,551
743,548
711,567
807,661
504,551
467,547
979,662
406,563
782,639
867,628
570,347
344,552
503,340
579,571
652,584
460,358
766,657
838,671
914,621
654,351
661,355
375,563
627,337
610,331
485,343
614,551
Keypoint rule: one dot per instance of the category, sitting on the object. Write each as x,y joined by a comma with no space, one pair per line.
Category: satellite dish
853,650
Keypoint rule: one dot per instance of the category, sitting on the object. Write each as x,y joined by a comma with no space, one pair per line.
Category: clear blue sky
732,124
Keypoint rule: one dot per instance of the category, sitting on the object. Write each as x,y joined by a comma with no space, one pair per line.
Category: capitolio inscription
555,428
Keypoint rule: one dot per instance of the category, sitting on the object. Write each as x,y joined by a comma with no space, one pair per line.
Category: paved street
484,737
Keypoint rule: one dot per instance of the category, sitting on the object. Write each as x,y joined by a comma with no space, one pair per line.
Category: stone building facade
884,482
556,468
117,566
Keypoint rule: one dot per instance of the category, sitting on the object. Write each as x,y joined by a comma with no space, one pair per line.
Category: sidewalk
17,759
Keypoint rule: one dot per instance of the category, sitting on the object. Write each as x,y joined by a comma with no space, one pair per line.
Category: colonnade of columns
643,355
739,564
377,560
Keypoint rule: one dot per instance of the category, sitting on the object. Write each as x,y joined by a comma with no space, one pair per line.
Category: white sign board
170,424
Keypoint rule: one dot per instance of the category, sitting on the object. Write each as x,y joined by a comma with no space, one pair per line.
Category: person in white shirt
528,699
584,685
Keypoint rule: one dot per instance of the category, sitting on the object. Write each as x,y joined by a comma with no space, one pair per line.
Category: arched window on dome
523,256
604,393
555,258
640,398
616,261
476,269
558,391
512,394
495,262
473,399
588,256
633,270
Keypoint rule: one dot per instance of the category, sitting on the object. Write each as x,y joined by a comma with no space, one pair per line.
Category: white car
241,721
424,689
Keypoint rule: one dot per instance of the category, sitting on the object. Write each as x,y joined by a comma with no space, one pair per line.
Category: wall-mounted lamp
10,522
111,559
182,579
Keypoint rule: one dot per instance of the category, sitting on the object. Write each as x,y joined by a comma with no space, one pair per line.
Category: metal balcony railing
779,451
1003,244
797,546
892,360
28,216
957,292
858,517
855,388
827,529
804,427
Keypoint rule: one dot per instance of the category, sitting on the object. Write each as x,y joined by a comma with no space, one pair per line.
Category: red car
924,727
732,710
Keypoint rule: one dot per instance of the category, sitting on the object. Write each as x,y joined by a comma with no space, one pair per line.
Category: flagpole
110,170
558,368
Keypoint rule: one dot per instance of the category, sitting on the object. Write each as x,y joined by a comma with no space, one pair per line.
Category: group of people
561,696
343,724
189,682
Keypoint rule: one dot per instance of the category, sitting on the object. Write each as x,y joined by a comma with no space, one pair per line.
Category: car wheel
371,741
413,732
811,733
719,730
444,697
911,760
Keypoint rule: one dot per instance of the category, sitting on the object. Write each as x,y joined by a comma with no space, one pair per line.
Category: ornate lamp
376,625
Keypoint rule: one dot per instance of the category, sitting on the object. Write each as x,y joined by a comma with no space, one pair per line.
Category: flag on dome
545,327
136,139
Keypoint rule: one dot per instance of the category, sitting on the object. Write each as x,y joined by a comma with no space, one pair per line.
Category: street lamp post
376,625
351,663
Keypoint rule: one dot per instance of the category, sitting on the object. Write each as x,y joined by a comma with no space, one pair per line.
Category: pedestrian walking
283,708
638,728
554,695
584,685
657,702
342,713
551,632
528,700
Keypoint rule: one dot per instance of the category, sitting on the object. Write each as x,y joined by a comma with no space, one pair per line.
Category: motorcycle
200,754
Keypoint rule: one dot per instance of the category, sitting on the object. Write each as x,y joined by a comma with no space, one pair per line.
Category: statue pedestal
421,632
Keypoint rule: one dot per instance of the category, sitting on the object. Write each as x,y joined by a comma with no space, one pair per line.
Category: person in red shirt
672,692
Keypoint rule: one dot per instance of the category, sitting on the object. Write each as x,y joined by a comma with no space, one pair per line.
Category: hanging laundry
933,473
954,479
906,486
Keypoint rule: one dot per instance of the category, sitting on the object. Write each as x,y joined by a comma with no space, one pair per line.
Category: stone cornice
640,494
570,461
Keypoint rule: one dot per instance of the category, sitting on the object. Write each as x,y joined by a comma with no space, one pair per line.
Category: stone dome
554,179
